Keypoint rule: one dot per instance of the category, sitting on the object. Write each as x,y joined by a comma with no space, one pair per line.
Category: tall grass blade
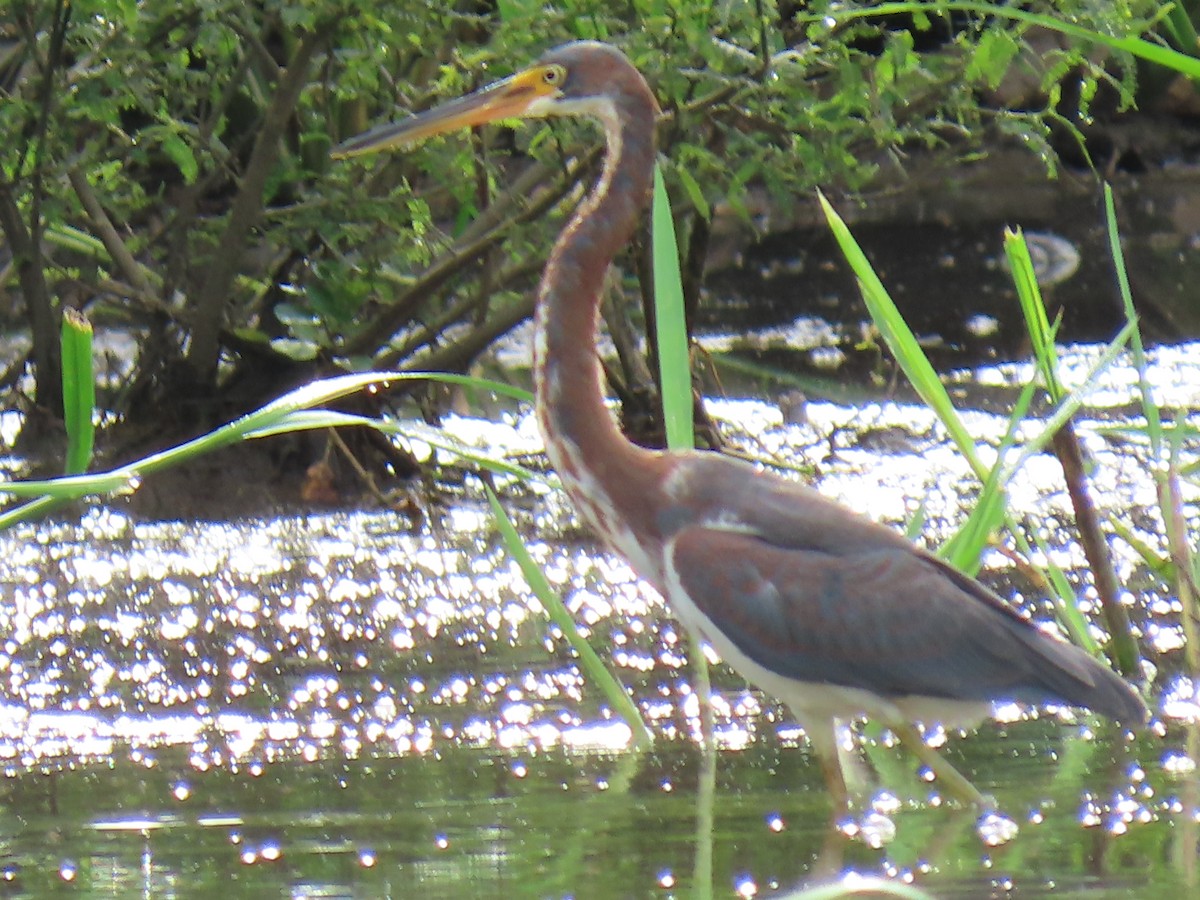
255,424
1149,406
675,376
675,372
1065,603
1037,324
591,664
964,550
1070,456
79,390
902,342
1072,403
1178,26
439,439
1151,558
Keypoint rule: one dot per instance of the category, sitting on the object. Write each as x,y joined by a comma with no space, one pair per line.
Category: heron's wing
889,620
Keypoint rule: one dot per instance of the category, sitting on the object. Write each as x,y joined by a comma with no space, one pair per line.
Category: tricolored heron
830,612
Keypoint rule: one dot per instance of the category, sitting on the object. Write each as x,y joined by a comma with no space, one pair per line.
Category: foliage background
169,168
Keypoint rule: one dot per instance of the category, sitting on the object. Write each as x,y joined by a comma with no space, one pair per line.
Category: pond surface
333,705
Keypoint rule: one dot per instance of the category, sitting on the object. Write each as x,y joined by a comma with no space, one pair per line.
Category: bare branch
400,311
457,356
108,234
245,212
456,313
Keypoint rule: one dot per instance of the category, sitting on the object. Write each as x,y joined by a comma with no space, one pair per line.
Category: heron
830,612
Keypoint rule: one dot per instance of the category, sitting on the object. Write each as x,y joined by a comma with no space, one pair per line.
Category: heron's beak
508,99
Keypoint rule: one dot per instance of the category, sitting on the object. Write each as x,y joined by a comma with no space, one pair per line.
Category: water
331,705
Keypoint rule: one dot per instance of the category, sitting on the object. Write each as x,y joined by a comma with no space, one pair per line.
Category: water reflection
329,704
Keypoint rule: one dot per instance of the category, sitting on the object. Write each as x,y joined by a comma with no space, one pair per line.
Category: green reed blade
593,667
675,371
79,390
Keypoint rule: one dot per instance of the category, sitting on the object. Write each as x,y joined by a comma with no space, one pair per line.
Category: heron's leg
822,734
953,781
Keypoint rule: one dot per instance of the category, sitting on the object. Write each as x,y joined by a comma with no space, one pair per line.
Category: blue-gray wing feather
885,617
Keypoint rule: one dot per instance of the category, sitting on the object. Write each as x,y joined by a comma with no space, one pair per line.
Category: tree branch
244,213
1095,548
456,357
42,315
26,241
397,313
107,233
428,334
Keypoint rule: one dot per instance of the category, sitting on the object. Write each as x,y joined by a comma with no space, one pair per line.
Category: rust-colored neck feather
593,458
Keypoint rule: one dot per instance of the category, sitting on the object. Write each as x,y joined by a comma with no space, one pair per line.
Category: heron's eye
554,75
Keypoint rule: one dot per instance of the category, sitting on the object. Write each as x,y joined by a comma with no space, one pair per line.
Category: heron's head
580,79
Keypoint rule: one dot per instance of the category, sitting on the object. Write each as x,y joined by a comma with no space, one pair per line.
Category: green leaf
902,342
79,390
992,56
50,492
181,154
1037,324
695,193
295,349
1139,47
674,362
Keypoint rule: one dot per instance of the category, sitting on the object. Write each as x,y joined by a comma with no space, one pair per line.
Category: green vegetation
991,511
79,390
171,170
671,337
289,413
192,201
190,198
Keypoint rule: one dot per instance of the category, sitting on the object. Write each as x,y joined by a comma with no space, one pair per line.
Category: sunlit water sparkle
343,642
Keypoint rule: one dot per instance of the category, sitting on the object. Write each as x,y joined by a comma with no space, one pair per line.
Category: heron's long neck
583,442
